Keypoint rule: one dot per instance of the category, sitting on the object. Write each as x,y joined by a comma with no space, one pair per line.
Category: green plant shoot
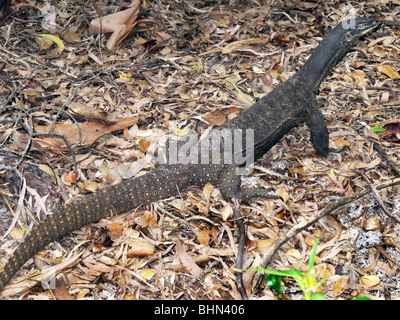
379,130
307,282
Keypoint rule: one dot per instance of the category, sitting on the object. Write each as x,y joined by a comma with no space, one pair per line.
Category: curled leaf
55,39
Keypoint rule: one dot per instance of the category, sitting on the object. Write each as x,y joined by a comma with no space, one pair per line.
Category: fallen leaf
144,145
186,260
241,43
264,244
55,39
204,236
115,230
372,223
226,212
140,248
215,118
70,178
392,131
120,24
82,293
90,185
148,220
91,131
281,192
388,70
148,273
71,36
370,280
340,285
294,253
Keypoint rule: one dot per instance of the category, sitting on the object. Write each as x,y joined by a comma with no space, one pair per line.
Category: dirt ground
195,65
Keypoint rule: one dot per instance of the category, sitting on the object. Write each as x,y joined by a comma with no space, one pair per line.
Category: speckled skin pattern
271,118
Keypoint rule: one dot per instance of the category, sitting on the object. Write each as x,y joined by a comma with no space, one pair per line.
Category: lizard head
353,28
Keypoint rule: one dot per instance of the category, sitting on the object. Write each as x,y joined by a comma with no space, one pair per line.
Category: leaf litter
198,64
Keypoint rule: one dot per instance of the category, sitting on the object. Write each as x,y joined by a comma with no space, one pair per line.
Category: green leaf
284,273
313,255
318,296
55,39
379,130
362,298
273,282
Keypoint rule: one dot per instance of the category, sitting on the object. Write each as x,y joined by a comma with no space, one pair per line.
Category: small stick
242,241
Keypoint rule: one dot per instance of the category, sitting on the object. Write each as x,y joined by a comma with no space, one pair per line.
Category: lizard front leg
319,132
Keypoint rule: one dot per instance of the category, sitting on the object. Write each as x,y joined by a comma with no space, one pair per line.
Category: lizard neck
325,57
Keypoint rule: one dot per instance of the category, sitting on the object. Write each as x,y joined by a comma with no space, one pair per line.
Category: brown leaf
71,36
115,230
186,260
264,244
148,220
204,236
370,280
144,145
237,45
215,118
91,131
70,178
120,24
340,285
140,248
61,292
388,70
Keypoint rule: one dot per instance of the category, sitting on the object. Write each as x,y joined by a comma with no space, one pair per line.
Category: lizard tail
113,200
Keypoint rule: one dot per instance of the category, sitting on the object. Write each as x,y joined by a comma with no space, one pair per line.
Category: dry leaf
91,131
17,233
115,230
264,245
200,206
144,145
215,118
140,248
388,70
148,273
70,178
71,36
340,285
239,44
283,194
82,293
120,24
90,185
207,190
204,236
226,212
370,280
294,253
372,223
148,220
187,262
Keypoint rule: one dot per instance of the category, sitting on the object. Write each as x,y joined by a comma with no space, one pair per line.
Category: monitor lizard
288,105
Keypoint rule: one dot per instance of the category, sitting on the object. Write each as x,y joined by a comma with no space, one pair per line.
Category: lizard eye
361,26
